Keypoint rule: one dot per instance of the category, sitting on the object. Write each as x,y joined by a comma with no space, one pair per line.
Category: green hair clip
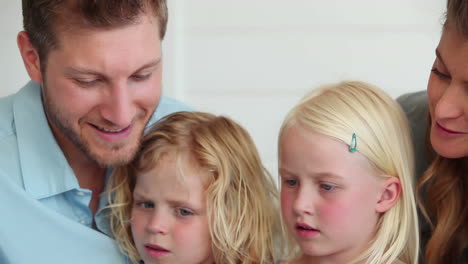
353,145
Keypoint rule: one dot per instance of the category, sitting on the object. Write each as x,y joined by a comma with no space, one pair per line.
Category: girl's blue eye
147,205
184,212
327,187
291,182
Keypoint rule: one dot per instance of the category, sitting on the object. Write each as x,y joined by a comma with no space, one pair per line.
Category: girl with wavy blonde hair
196,193
346,170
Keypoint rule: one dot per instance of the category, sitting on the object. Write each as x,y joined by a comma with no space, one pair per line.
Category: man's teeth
110,130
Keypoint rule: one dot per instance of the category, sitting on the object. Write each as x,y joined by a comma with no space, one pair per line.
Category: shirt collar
103,214
45,169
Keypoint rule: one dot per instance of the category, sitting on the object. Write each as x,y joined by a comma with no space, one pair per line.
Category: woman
441,117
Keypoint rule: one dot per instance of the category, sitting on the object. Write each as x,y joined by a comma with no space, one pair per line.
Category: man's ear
30,57
389,195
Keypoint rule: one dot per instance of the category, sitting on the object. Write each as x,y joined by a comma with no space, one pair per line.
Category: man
96,70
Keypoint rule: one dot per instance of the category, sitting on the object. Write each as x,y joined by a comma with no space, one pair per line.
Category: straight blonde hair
241,197
383,136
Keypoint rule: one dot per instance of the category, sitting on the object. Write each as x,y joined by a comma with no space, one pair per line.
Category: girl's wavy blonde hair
383,136
241,197
443,188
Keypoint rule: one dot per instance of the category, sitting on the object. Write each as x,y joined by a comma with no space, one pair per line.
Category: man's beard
111,158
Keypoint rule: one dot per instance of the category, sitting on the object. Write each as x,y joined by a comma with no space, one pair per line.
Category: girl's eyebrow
319,175
329,175
283,171
181,203
139,195
178,203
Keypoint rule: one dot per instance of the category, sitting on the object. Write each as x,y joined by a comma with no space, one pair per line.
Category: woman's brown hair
444,186
443,192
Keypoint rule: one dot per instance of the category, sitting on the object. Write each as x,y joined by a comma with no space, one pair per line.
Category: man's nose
118,107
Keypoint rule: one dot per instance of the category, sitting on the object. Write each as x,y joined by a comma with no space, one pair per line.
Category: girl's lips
304,226
156,251
305,231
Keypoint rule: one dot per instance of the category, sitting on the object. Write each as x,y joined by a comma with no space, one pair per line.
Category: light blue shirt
44,213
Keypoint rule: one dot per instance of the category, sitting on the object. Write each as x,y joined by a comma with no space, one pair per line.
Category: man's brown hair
42,19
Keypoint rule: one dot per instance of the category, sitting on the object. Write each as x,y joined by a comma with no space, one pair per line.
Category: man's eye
85,82
140,77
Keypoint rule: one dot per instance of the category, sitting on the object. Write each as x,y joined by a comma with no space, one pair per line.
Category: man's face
100,88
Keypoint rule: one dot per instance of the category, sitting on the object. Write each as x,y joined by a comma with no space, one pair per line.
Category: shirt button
80,193
82,222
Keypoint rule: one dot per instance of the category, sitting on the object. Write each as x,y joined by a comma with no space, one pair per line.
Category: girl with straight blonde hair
196,193
346,170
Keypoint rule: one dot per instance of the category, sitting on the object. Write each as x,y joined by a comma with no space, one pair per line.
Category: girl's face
328,195
448,96
169,218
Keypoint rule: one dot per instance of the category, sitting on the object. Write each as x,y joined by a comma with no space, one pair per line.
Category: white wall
12,73
253,59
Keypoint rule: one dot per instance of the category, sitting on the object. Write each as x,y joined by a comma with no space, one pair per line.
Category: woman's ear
30,57
389,195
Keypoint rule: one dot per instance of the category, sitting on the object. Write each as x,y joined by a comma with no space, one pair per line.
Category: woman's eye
184,212
440,74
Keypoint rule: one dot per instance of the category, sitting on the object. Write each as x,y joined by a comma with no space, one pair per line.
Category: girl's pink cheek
336,212
287,203
285,200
